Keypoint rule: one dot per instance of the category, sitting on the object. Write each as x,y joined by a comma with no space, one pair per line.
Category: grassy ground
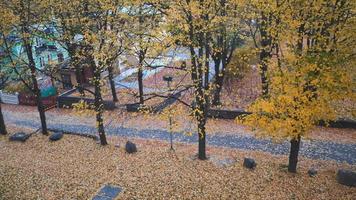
76,167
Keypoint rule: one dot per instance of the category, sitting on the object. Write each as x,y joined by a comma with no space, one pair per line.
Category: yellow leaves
152,172
8,18
82,108
241,61
303,91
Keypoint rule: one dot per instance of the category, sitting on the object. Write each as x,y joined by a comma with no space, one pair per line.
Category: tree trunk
202,135
36,89
3,130
203,104
216,97
219,80
140,84
79,78
217,91
293,155
200,99
265,53
75,63
198,76
112,83
140,78
300,40
201,116
99,105
264,79
207,62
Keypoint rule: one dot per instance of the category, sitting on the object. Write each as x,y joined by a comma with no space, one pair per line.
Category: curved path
311,149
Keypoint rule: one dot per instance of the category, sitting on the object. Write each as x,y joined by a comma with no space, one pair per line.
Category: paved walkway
312,149
179,54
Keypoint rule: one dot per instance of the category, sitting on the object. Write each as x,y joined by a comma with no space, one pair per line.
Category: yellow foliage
82,108
307,78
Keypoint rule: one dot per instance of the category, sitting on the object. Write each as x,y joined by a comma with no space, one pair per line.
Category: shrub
16,87
241,62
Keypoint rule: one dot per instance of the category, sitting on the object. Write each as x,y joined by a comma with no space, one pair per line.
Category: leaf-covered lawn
76,167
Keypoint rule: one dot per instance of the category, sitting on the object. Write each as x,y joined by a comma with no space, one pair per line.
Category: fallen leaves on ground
77,167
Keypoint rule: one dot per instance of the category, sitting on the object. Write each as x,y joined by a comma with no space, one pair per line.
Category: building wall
47,56
43,57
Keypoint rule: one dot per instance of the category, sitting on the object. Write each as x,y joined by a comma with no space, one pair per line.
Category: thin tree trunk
202,136
207,59
140,85
78,77
202,100
300,40
99,105
36,89
78,72
202,103
264,54
217,92
3,130
197,77
221,57
216,98
112,83
219,78
140,78
141,58
202,122
293,155
264,78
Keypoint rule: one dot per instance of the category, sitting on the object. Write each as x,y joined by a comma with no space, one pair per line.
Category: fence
226,114
9,98
30,100
66,101
232,114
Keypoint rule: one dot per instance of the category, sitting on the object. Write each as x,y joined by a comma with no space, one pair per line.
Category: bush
16,87
241,62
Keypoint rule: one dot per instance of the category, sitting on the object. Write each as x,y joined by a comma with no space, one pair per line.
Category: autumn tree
312,72
118,25
101,22
3,130
145,38
191,24
262,19
65,20
26,16
4,76
5,29
225,39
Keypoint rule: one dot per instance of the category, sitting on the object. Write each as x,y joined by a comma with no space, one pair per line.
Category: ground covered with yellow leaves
77,167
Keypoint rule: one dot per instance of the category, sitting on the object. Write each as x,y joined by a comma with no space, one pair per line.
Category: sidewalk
312,149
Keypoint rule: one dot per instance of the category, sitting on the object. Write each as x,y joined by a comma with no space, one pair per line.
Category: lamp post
169,79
